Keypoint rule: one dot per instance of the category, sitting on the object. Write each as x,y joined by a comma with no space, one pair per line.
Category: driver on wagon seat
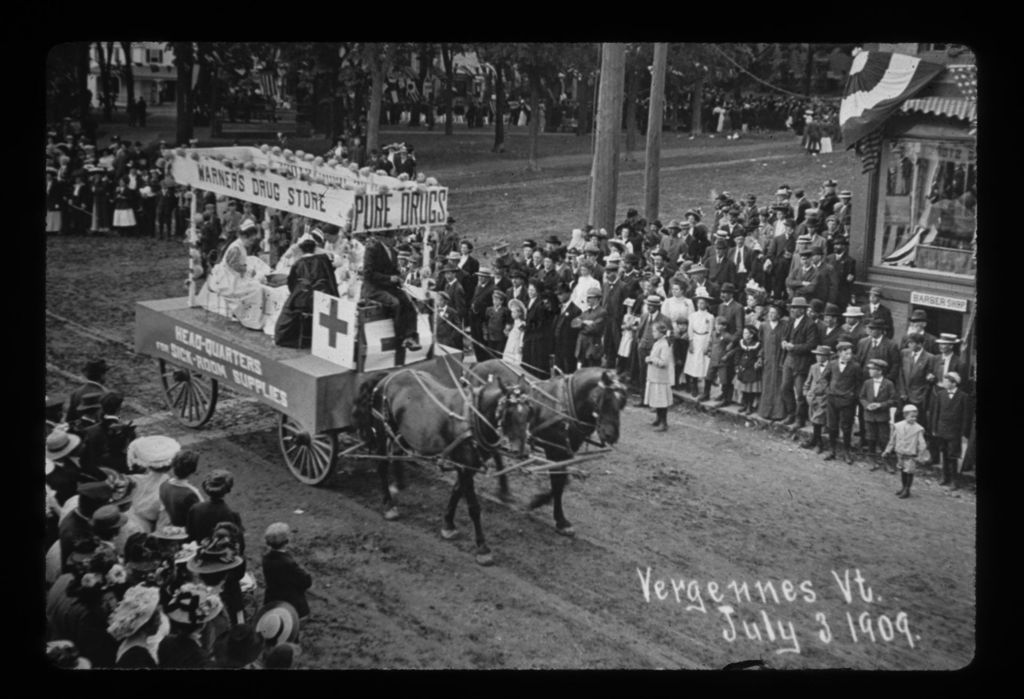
382,283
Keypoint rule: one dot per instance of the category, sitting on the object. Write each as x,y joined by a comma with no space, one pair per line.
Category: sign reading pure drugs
403,209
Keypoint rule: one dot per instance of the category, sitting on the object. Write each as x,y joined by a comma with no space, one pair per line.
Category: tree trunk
449,81
808,74
499,109
426,58
376,94
104,87
215,130
696,104
632,80
534,77
583,97
82,80
127,73
184,59
654,117
609,122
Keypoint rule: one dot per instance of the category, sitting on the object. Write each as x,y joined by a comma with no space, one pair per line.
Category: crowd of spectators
747,298
143,568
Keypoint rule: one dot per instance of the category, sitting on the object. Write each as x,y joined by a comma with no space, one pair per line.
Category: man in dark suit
800,206
918,323
518,288
478,313
381,281
565,334
591,323
80,206
913,386
613,293
874,308
948,360
846,271
805,280
829,199
720,267
629,275
828,288
877,346
830,328
877,396
744,259
778,256
731,310
950,425
842,376
798,341
456,295
468,267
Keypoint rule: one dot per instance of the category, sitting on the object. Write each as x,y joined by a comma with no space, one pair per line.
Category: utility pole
654,117
609,123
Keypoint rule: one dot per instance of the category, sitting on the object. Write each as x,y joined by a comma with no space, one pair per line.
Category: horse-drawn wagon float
356,393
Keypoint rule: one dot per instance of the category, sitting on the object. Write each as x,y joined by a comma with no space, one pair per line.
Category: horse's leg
541,499
562,525
503,492
448,530
390,509
483,553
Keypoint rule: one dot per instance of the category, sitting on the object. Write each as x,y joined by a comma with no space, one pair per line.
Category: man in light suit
591,322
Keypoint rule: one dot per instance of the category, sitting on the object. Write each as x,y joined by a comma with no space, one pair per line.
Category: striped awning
943,106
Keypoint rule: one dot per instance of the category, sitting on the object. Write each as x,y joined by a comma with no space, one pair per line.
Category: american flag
966,79
268,83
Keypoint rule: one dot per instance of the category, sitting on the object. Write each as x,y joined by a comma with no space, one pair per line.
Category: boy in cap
950,425
842,377
718,362
814,393
285,579
877,398
908,442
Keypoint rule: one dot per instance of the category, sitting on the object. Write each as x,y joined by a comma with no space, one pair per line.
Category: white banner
334,329
401,205
949,303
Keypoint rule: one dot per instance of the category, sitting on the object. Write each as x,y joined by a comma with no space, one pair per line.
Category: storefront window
930,207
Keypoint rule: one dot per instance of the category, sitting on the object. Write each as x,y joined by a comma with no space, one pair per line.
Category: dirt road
698,511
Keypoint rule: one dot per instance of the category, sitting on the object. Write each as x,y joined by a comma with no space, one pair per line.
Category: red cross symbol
334,324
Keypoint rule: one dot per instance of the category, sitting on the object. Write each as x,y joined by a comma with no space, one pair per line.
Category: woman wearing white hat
155,455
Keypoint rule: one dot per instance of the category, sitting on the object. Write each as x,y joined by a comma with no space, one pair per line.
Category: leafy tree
127,74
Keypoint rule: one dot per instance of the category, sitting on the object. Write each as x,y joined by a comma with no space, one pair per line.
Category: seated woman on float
236,280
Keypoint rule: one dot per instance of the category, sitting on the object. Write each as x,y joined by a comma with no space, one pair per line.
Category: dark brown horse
408,411
569,409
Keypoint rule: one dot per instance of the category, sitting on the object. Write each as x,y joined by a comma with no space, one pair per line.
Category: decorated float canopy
355,199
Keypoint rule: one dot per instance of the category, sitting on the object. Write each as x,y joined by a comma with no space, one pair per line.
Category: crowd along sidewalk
754,421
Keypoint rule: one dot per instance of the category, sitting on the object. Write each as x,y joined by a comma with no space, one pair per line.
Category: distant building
153,72
914,221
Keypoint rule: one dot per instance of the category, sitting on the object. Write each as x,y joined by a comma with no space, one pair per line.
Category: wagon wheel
191,396
310,457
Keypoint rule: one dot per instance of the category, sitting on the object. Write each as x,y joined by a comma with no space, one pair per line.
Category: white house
153,72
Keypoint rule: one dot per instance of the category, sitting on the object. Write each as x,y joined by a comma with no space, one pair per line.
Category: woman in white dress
677,306
585,283
513,353
236,279
697,355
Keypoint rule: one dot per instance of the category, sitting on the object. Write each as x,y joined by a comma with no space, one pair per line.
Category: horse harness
472,423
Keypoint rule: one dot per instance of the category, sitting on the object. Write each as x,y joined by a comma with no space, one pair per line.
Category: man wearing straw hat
947,360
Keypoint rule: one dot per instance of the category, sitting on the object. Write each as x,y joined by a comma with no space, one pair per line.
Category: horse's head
607,400
513,416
